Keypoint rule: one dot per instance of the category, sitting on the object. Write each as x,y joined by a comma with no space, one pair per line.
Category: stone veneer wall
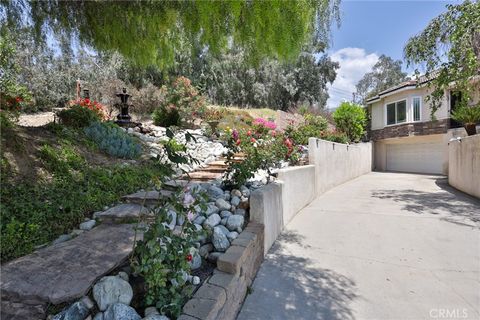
222,295
409,129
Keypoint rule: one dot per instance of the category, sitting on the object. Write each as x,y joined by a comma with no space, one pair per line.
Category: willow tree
149,32
449,50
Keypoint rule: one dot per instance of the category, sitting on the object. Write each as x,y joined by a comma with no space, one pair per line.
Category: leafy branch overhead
150,32
449,51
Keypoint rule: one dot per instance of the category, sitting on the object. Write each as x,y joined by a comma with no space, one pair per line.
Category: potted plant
469,116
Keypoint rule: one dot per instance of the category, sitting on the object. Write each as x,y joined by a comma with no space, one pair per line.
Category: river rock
222,204
120,311
240,212
110,290
235,223
220,240
199,220
232,235
211,209
235,201
205,250
213,256
215,192
212,221
87,225
196,261
236,193
225,214
245,191
77,311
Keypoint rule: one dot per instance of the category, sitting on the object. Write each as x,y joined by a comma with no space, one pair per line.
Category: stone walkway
382,246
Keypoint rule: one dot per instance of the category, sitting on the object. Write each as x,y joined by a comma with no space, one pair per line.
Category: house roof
409,84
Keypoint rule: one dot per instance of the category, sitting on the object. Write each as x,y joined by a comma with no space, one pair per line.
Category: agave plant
469,116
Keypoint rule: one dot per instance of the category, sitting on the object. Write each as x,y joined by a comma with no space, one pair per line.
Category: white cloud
354,63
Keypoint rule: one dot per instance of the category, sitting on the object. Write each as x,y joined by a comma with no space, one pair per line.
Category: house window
397,112
416,108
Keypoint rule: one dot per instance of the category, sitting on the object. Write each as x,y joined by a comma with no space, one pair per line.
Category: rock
87,225
156,317
180,220
235,201
195,280
241,212
120,311
199,220
233,208
62,238
196,261
215,192
222,204
223,229
225,214
111,290
123,275
232,235
173,219
205,250
76,232
212,221
211,209
98,316
151,311
235,222
245,191
236,193
77,311
213,256
220,240
223,222
227,196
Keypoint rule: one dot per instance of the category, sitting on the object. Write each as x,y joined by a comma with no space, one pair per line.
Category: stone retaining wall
221,296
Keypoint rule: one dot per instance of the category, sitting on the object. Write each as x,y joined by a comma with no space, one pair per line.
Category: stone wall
222,295
409,129
464,165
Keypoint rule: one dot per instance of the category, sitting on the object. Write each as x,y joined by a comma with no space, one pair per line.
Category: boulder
222,204
212,221
87,225
77,311
120,311
235,223
111,290
220,240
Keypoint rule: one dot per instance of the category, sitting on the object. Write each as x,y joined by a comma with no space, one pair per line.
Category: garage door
415,157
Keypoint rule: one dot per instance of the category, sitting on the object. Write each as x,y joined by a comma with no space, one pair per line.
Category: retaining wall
464,165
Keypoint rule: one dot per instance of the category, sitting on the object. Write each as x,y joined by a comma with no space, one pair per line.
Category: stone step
63,272
147,197
204,176
122,213
175,184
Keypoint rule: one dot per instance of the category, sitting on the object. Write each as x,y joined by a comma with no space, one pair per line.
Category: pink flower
190,216
235,135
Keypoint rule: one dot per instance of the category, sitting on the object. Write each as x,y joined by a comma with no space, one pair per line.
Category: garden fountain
123,118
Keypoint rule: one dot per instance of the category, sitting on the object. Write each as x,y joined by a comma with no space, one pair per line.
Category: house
404,135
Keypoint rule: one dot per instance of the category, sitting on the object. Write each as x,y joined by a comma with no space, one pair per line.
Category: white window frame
413,110
396,122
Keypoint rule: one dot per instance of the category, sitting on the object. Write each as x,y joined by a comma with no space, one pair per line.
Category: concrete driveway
382,246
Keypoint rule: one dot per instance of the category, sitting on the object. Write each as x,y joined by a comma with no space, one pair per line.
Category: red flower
252,140
238,142
189,257
249,133
18,99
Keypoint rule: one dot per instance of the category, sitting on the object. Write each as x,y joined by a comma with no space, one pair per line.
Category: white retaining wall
464,165
331,164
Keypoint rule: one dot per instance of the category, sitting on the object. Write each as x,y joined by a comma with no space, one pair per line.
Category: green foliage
78,116
385,74
150,32
163,257
113,140
35,212
350,119
449,50
334,136
182,103
467,115
313,127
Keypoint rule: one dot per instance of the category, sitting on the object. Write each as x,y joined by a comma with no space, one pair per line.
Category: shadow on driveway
454,205
290,287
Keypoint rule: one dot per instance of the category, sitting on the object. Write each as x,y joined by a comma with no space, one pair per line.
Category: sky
369,29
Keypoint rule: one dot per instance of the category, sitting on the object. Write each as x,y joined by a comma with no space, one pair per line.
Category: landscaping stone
213,256
240,212
180,220
235,223
195,280
110,290
76,232
156,317
150,311
223,229
173,219
223,222
215,192
211,209
147,197
98,316
232,235
235,201
225,214
205,250
222,204
77,311
87,225
120,311
199,220
236,193
62,238
127,212
123,275
212,221
227,196
219,240
196,261
245,191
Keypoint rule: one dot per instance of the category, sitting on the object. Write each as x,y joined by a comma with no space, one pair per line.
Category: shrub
82,113
334,136
147,99
113,140
351,119
181,105
467,114
313,127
